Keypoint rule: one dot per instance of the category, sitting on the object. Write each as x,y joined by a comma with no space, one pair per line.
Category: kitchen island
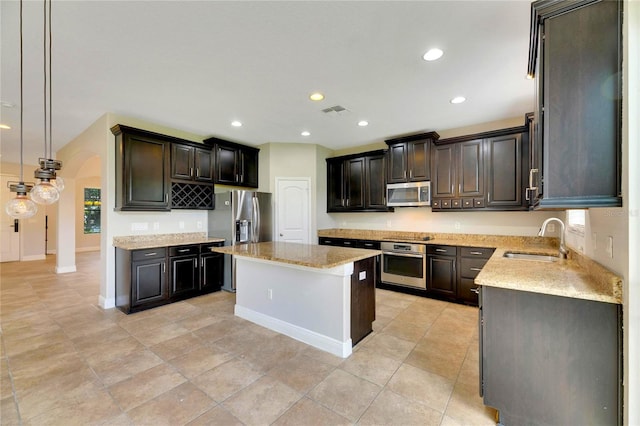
323,296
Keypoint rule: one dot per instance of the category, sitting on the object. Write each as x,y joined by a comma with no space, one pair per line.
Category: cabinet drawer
476,252
467,290
371,245
442,250
456,203
184,250
152,253
470,268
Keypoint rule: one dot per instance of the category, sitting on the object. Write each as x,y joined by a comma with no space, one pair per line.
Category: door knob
281,235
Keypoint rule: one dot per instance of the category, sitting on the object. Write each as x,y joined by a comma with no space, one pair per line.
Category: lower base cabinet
363,299
148,278
550,360
441,271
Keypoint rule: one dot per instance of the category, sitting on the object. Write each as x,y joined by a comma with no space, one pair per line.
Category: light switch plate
362,275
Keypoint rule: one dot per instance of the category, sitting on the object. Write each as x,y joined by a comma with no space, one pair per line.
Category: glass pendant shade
58,182
21,207
44,193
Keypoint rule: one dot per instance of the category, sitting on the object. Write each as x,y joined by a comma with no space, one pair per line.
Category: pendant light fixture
47,191
20,207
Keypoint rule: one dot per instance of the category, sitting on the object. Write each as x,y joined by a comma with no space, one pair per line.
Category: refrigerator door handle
256,220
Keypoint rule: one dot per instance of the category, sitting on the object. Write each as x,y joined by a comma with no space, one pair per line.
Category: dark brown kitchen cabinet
363,299
212,268
441,269
575,55
458,175
184,271
235,164
356,183
550,360
141,281
142,170
471,260
482,171
191,163
409,158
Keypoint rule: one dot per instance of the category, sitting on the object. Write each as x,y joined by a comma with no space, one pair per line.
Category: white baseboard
52,251
106,303
322,342
33,257
65,269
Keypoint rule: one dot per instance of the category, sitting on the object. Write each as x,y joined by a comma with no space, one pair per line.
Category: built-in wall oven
404,264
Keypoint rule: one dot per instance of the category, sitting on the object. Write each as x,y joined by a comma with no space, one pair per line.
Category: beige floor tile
239,341
95,409
272,351
90,343
196,362
436,359
371,366
469,372
322,356
9,412
310,413
145,386
405,330
58,391
226,379
390,346
388,310
419,385
466,406
126,366
217,416
177,311
216,331
169,349
104,352
381,322
198,320
262,402
6,387
301,372
345,394
161,334
390,408
178,406
83,327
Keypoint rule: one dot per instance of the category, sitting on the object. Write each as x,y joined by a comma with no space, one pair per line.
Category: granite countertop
137,242
577,277
312,256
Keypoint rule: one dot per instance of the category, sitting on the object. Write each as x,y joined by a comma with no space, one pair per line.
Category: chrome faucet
562,249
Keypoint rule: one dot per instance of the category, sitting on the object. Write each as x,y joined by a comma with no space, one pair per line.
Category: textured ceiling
196,66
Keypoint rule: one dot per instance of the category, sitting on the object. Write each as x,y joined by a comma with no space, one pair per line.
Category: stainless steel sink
529,256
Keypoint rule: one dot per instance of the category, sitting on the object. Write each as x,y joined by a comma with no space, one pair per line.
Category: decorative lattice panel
191,196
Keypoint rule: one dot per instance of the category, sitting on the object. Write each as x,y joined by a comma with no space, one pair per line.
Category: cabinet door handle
197,172
410,174
404,175
191,171
183,250
196,263
475,290
475,269
150,254
439,250
475,253
164,267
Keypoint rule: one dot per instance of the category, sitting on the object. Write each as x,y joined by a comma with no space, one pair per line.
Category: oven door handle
415,256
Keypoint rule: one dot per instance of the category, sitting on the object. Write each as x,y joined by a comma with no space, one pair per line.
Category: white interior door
9,236
293,210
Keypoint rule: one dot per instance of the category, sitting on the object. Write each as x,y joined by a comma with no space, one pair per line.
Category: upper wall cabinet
357,183
409,158
235,164
575,56
142,170
480,171
189,162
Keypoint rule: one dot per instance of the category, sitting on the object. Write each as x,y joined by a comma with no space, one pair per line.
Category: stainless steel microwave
412,194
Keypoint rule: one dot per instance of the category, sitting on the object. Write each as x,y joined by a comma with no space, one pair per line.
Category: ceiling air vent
335,110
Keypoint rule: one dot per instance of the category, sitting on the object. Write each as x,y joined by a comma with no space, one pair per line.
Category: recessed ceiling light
458,100
363,123
236,123
317,96
305,133
4,126
433,54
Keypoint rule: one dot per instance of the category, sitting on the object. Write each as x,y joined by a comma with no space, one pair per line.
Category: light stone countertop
309,255
138,242
577,277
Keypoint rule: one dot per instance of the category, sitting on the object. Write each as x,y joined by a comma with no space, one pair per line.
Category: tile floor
66,361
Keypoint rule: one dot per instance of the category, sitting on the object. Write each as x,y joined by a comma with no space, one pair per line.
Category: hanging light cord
21,97
44,65
48,118
50,86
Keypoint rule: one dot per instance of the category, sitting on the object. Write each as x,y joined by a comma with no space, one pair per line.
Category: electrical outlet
139,226
594,241
610,246
551,227
456,225
156,226
199,224
181,225
270,294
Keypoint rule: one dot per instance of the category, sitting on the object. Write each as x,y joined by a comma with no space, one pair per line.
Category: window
576,221
92,206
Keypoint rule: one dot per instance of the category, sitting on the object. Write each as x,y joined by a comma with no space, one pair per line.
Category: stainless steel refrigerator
240,217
